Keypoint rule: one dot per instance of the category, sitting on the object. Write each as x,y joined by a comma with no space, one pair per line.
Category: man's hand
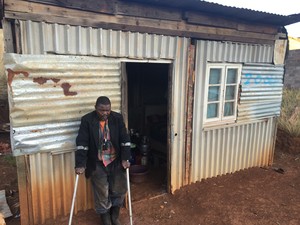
79,170
125,164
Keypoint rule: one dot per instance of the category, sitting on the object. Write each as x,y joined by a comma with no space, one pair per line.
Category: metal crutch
73,200
129,195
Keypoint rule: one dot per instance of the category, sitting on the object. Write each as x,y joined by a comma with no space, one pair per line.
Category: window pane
213,93
214,76
231,76
228,109
230,93
212,110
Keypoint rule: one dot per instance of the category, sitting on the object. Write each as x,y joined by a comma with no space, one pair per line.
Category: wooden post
189,112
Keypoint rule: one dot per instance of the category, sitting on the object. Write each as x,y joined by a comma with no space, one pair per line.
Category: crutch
129,196
73,200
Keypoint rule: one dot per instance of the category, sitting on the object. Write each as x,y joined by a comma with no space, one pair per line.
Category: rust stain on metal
36,131
55,80
12,73
43,80
66,87
40,80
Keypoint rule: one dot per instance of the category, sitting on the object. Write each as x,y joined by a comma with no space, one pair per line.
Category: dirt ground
256,196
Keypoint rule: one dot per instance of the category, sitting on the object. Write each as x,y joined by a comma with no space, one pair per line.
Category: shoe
115,212
105,217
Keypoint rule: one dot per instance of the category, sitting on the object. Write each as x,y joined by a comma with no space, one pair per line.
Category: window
220,103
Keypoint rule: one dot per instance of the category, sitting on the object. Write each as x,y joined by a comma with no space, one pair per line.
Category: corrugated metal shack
221,69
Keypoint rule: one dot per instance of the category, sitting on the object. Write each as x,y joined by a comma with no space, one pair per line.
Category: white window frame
221,119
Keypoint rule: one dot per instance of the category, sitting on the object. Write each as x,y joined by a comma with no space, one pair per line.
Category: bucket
138,173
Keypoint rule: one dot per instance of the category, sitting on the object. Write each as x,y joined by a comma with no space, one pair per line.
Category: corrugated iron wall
47,123
46,38
178,116
48,94
228,148
261,91
51,187
232,148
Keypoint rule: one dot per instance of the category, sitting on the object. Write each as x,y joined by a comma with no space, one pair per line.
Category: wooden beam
24,189
148,11
151,30
210,20
18,45
189,113
53,14
8,36
103,6
201,19
117,7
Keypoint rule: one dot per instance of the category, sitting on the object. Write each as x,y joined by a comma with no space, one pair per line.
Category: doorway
147,106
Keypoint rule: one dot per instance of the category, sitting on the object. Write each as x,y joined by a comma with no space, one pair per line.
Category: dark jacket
87,140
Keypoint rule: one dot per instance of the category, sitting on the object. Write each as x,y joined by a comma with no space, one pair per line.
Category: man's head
103,107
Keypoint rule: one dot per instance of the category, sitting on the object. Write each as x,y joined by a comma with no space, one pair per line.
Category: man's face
103,111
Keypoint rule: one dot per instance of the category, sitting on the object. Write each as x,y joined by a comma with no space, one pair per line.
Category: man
103,151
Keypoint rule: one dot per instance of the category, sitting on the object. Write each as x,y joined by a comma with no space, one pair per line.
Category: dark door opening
147,92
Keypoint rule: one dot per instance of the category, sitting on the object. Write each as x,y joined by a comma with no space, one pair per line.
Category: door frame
124,105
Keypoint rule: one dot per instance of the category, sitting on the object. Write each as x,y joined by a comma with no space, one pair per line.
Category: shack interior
148,123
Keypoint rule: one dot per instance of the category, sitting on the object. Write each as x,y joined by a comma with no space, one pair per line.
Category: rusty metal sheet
48,94
52,85
46,38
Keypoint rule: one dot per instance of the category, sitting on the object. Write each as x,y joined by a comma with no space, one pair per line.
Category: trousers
109,186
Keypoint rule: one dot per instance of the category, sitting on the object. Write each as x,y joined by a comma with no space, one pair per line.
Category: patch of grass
11,160
289,120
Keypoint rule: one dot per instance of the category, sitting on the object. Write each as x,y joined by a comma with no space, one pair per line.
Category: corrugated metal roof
227,11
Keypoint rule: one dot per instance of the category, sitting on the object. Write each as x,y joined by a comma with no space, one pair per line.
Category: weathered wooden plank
258,28
189,113
18,43
148,11
202,19
103,6
54,14
200,33
24,190
111,7
8,37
